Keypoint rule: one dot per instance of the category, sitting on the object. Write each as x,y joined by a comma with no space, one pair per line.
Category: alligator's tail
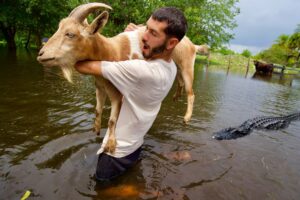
233,133
293,116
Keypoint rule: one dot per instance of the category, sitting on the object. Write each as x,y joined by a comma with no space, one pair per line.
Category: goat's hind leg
180,85
188,78
100,98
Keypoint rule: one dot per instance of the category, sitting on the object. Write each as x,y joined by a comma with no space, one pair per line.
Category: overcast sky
260,22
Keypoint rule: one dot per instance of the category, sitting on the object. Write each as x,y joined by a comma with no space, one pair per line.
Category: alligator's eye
70,35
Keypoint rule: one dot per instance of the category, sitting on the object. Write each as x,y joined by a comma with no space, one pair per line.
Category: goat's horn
82,11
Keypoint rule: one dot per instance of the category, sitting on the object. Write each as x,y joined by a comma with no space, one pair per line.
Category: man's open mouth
146,47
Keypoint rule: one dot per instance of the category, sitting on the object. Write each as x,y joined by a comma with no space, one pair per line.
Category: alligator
268,123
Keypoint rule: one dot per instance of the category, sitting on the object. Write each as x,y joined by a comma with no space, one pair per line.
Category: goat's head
72,40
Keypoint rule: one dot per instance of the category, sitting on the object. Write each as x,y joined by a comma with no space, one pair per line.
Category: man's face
154,39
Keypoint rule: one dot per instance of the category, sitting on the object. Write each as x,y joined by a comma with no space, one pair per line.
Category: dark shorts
109,167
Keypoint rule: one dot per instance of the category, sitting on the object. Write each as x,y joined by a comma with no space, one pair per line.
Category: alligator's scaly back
269,123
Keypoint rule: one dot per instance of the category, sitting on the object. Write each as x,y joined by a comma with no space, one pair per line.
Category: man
143,83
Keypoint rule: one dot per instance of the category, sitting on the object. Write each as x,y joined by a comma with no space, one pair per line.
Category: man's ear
98,23
172,42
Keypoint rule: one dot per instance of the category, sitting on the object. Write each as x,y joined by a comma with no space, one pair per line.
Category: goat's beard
155,50
67,72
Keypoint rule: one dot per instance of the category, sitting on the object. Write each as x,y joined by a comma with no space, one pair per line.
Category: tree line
26,22
284,51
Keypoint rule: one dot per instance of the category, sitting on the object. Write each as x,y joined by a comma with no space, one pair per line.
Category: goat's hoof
186,120
109,150
96,130
110,146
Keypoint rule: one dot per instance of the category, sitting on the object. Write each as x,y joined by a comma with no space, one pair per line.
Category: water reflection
286,80
47,146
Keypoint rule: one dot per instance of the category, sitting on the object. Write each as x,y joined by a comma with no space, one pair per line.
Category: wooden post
247,67
229,63
282,69
207,59
28,39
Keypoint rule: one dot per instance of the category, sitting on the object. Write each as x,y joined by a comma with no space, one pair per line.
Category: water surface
47,145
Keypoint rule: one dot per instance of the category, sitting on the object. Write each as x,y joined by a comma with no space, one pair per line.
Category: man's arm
89,67
124,75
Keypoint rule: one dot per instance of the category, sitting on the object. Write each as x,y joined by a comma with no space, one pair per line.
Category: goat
76,40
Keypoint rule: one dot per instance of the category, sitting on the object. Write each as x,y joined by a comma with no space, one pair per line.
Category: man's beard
155,50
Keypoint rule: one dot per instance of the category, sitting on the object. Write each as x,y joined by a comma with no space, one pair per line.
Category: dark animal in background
264,68
268,123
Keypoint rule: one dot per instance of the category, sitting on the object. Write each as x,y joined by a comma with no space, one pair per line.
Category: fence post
282,69
247,67
229,63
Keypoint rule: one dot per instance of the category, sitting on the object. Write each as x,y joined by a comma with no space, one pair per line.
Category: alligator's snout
225,134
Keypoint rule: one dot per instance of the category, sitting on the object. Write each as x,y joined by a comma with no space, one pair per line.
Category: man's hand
132,27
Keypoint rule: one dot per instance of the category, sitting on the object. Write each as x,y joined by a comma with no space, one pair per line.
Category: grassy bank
236,63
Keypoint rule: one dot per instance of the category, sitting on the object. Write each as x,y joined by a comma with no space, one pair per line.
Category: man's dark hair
177,24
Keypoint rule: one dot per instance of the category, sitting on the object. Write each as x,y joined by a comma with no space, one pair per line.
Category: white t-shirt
144,84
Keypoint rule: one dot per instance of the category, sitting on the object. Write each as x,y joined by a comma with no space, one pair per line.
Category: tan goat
76,40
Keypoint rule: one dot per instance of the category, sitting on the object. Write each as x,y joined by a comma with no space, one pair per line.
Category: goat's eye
70,35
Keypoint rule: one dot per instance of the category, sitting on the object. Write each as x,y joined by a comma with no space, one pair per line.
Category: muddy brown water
47,145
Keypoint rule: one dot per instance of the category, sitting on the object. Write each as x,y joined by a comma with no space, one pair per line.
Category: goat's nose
41,53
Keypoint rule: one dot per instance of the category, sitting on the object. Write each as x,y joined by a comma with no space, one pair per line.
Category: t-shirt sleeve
124,75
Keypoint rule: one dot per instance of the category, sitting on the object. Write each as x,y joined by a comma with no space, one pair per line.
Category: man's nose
145,36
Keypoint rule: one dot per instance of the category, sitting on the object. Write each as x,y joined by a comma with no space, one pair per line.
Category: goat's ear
98,23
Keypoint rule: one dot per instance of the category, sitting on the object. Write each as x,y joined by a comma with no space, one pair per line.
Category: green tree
11,15
44,16
126,11
294,45
215,20
282,40
246,53
210,21
275,54
225,51
24,18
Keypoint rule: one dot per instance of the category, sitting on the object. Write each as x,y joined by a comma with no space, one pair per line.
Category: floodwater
48,148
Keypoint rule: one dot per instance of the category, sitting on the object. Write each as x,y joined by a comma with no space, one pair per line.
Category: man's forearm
89,67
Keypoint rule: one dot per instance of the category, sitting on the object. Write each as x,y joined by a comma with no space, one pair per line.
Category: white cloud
240,48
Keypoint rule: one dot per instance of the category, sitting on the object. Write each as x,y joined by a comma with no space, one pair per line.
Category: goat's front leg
112,142
116,101
100,98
